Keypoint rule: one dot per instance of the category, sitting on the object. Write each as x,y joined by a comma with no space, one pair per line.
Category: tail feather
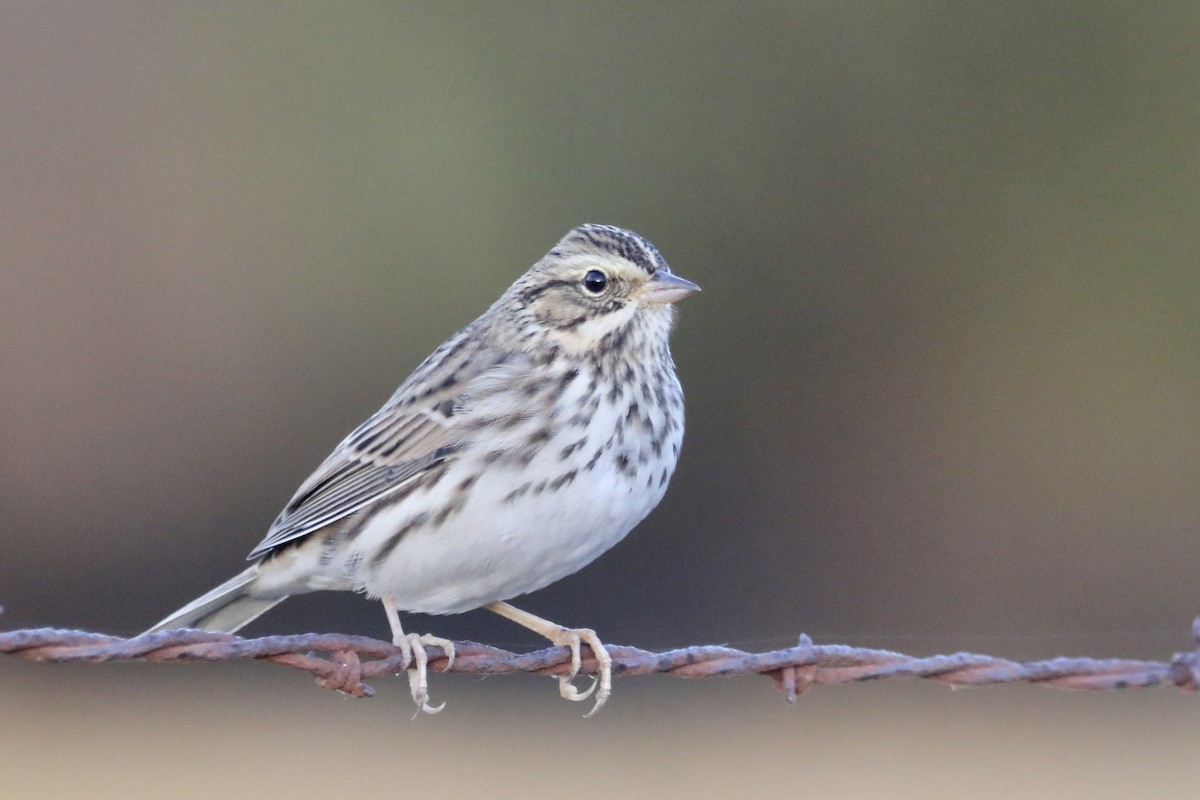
226,608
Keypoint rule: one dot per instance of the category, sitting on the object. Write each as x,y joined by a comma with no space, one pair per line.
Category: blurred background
943,381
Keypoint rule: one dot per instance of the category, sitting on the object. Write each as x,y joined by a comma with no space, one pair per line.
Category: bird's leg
413,648
567,637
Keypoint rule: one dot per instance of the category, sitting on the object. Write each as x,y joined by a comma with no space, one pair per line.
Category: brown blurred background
943,381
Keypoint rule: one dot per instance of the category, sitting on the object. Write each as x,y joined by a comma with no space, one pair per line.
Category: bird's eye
595,281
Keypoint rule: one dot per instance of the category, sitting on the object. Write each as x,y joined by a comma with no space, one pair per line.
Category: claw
418,684
574,638
568,691
446,645
604,662
412,647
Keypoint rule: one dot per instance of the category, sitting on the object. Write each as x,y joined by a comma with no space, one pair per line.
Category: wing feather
416,430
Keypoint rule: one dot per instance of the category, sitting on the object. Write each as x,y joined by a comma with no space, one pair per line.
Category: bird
525,446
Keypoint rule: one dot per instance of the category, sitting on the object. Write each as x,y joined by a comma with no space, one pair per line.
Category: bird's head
598,282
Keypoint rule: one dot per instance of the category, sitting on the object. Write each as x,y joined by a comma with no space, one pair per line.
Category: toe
569,692
418,682
446,645
571,639
602,683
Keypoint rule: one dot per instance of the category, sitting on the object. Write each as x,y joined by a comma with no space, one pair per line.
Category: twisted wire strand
342,662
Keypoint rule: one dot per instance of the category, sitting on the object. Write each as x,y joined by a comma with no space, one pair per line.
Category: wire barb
341,662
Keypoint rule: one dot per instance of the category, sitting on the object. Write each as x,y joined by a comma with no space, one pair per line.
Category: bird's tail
226,608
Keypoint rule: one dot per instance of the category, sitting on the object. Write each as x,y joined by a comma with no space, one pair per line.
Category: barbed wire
342,662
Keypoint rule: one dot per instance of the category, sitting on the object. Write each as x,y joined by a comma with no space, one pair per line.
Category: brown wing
414,432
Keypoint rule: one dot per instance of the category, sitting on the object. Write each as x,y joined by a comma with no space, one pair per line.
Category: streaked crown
596,239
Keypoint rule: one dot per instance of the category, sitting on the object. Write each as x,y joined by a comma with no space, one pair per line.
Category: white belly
493,549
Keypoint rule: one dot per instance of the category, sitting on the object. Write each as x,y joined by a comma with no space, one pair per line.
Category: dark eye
595,281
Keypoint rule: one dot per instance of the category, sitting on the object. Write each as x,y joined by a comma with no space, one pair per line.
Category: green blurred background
943,381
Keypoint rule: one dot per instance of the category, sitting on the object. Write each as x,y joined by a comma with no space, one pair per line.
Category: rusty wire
342,662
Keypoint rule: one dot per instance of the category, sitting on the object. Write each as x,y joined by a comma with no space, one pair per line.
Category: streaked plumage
521,449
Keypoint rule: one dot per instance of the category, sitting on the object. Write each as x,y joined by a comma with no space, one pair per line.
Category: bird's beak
663,287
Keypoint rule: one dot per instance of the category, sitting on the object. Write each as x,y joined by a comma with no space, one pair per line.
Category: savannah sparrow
525,446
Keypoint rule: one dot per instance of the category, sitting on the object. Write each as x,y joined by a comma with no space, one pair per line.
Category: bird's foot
601,686
413,647
572,638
